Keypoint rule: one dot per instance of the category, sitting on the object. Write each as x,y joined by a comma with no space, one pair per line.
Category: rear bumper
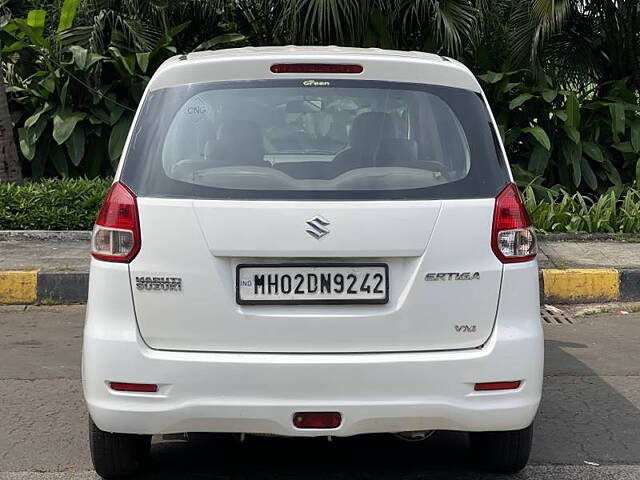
259,393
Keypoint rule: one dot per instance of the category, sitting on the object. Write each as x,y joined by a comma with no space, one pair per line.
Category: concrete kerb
578,285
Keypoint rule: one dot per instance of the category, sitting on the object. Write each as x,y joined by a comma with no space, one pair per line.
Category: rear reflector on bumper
483,387
317,419
133,387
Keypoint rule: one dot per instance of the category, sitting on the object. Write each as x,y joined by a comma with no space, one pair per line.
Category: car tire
117,455
502,452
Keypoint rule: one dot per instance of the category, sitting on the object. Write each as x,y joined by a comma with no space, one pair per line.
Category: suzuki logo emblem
318,227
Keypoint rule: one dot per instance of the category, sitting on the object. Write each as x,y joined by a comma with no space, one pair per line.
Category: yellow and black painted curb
583,285
580,285
25,287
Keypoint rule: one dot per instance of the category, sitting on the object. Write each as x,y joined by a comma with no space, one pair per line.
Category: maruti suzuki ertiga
312,242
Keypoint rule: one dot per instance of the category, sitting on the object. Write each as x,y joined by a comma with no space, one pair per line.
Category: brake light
512,237
116,234
315,68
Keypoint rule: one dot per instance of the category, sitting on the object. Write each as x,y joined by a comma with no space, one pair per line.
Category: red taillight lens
134,387
315,68
116,234
490,386
512,237
317,420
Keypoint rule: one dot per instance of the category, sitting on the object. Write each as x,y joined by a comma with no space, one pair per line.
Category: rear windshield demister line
292,139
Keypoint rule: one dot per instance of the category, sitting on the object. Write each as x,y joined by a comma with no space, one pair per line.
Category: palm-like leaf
533,23
325,21
142,22
447,22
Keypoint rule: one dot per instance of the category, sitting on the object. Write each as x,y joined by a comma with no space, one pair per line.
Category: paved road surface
590,413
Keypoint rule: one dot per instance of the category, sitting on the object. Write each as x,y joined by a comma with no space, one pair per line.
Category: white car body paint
400,366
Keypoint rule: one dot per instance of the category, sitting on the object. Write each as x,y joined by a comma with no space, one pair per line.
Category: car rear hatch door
443,279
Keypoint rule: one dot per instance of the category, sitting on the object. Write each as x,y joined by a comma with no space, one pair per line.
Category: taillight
116,234
512,237
315,68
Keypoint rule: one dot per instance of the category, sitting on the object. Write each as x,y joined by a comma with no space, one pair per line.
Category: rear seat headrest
238,142
397,152
368,128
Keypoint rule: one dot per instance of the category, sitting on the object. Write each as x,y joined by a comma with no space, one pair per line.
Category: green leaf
118,137
587,174
624,147
67,14
539,159
75,145
561,114
94,157
63,124
37,129
635,136
221,40
48,83
593,150
491,77
127,61
38,163
617,117
612,173
98,115
511,135
638,173
143,61
29,122
14,47
573,110
572,155
80,56
377,32
63,92
93,58
27,147
549,95
33,33
36,18
540,135
519,100
572,133
59,160
115,110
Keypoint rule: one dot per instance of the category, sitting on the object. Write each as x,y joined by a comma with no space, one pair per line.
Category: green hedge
617,211
73,204
51,204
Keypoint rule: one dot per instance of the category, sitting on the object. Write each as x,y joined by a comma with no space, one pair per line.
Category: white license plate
320,283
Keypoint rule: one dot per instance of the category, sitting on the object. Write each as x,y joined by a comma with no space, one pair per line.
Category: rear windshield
314,139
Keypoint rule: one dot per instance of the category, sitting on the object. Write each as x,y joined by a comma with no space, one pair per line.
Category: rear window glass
313,139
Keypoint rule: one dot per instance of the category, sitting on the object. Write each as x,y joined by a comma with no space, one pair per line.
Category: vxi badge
431,277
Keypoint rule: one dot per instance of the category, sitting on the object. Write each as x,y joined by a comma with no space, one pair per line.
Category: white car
312,242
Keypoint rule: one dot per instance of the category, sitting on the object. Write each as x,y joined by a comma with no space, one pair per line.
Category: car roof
253,63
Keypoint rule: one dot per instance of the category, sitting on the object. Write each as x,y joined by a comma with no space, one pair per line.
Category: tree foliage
563,76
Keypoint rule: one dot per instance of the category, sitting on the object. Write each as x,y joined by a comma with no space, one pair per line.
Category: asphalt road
588,426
